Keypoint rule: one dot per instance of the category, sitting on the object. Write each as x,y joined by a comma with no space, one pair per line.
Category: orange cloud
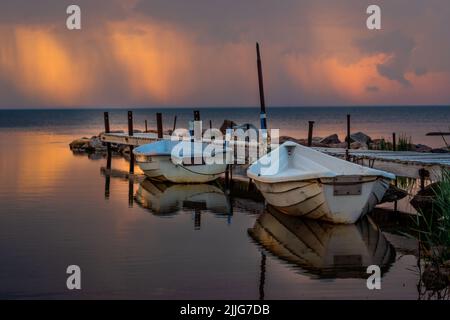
42,68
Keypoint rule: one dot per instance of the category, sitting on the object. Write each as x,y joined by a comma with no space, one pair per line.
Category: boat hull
162,168
180,173
321,198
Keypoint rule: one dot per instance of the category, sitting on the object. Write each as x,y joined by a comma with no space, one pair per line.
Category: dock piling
347,154
159,125
310,133
130,123
146,126
130,133
196,115
394,142
174,123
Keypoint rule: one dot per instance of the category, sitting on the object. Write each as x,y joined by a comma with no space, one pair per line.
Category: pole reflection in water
323,249
166,199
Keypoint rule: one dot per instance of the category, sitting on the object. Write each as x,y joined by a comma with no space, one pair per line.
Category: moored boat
301,181
181,161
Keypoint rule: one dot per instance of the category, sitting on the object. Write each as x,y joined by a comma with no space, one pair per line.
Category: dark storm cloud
397,46
315,52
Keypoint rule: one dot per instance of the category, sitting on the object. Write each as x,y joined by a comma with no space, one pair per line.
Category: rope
203,174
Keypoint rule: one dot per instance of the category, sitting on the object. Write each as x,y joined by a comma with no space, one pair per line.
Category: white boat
301,181
180,161
321,248
165,199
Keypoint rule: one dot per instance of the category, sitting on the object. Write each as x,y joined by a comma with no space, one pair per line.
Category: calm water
146,240
378,122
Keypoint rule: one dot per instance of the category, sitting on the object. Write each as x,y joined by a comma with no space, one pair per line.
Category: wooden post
174,123
394,142
348,132
130,123
159,125
347,152
108,145
106,118
196,115
146,126
210,124
310,133
130,133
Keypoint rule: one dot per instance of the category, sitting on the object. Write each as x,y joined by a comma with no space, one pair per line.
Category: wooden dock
402,163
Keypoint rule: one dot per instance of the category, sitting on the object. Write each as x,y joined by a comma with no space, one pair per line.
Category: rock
227,124
440,150
96,144
332,139
358,145
360,137
79,144
421,148
342,145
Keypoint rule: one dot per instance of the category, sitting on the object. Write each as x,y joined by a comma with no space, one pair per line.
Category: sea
136,239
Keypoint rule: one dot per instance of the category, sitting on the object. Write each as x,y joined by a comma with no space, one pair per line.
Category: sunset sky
202,53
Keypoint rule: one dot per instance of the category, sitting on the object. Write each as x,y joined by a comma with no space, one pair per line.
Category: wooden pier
409,164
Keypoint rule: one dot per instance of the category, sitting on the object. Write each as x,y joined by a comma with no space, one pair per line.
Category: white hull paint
307,183
316,200
156,161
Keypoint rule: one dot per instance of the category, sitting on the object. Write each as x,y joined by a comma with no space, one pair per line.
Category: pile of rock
88,145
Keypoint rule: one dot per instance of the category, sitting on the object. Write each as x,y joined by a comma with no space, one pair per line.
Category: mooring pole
108,145
159,125
130,123
130,133
310,133
174,123
196,115
347,152
263,115
106,119
146,126
394,142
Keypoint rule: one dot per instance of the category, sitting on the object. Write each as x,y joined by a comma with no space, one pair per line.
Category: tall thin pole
263,116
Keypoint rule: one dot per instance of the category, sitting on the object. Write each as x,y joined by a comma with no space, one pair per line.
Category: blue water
378,122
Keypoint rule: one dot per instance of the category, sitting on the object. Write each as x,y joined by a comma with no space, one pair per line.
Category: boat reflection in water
324,249
166,199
